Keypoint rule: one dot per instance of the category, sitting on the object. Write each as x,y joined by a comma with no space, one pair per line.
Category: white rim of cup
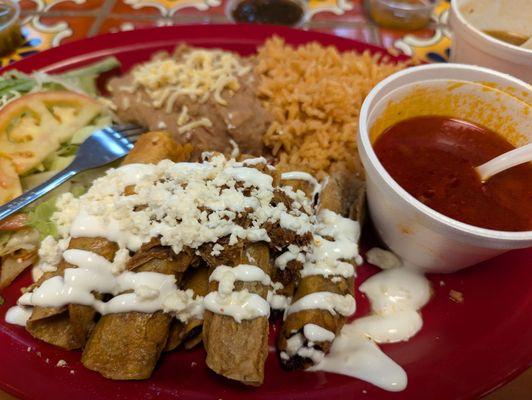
365,142
498,46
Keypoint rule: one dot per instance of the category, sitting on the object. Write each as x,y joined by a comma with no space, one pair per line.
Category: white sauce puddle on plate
396,296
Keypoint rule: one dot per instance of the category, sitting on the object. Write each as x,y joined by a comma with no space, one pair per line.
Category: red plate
463,351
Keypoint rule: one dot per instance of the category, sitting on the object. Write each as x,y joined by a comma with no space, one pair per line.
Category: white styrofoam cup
417,233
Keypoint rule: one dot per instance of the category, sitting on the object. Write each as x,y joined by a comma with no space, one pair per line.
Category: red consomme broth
433,159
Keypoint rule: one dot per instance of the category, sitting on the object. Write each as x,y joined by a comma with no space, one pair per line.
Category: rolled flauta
308,331
128,345
238,350
344,194
188,333
69,326
153,147
286,266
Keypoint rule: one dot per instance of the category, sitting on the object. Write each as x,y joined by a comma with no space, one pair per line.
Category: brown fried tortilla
128,345
189,333
235,350
69,326
343,194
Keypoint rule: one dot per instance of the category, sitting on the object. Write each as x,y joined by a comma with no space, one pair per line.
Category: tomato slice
10,186
36,124
14,222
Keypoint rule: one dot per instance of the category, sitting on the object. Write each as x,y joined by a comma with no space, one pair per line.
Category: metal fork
101,148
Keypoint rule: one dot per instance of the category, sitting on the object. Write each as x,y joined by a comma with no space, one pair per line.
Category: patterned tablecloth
48,23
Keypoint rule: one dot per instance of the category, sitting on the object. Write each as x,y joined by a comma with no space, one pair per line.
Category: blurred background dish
10,35
278,12
493,34
505,20
401,14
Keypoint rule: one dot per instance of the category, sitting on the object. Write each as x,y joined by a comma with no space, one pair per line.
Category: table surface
49,23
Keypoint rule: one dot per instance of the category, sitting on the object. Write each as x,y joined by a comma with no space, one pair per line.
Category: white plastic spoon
505,161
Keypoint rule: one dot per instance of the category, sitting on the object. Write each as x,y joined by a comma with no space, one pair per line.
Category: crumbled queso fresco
185,204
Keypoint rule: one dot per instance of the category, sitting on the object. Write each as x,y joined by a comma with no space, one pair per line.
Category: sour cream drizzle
18,315
299,175
169,202
396,295
240,304
316,333
333,302
293,253
227,276
356,355
296,346
278,301
335,240
151,291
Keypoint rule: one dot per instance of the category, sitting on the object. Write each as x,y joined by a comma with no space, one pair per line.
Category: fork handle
37,192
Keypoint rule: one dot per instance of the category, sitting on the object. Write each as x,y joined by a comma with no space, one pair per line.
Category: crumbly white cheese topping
68,207
51,252
333,248
185,205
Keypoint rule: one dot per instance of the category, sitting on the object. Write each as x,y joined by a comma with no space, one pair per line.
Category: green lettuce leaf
40,218
85,77
13,83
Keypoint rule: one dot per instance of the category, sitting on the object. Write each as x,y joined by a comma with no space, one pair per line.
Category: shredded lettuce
63,156
67,150
78,189
82,134
35,179
83,80
14,82
85,77
40,218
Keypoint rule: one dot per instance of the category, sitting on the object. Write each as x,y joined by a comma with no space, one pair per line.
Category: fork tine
134,138
132,132
125,127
